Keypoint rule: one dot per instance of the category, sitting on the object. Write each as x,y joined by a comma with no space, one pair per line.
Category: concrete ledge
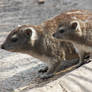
21,75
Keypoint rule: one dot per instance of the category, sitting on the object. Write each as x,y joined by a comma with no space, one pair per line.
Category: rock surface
19,72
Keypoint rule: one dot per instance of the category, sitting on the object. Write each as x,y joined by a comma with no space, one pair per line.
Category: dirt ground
19,72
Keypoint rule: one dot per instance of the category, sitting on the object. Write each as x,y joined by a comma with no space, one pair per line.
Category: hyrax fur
38,42
76,27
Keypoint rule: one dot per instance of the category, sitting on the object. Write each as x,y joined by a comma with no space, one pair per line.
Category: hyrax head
20,39
69,31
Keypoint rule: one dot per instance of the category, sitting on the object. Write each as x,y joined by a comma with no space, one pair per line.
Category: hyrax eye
14,39
61,31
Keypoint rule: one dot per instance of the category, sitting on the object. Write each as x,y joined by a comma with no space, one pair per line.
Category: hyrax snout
20,39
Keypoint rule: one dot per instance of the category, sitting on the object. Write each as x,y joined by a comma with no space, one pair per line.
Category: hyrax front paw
43,70
87,58
46,76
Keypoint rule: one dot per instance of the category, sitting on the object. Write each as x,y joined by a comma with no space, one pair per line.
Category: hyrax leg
84,58
55,67
87,58
52,66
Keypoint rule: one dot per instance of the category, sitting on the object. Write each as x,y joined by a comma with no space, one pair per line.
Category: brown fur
81,35
52,51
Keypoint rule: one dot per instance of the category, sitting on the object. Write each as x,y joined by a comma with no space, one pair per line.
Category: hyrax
38,41
76,27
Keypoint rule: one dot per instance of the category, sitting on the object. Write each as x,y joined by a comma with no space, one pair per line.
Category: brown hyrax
38,41
76,27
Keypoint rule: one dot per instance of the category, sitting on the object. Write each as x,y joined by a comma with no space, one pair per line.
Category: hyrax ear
31,32
75,25
28,31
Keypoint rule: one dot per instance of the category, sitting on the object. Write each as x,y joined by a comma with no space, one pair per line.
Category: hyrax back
39,42
76,27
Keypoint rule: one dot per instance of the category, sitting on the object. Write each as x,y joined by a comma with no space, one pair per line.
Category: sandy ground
19,72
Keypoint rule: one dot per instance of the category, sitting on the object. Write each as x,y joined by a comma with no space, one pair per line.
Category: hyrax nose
2,46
